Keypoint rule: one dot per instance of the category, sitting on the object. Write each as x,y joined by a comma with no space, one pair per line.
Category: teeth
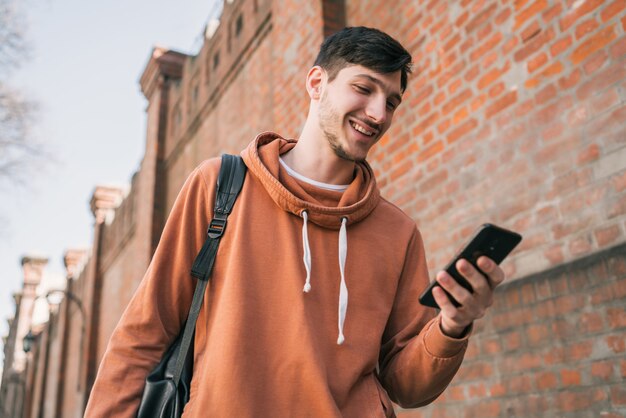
361,129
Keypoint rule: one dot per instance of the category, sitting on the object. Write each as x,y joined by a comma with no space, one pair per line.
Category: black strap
229,184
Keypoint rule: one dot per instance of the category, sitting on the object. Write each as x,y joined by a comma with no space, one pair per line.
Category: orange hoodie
263,346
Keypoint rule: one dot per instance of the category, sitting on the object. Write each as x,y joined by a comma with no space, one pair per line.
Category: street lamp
27,343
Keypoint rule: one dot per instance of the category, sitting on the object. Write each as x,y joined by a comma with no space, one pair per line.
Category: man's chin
348,156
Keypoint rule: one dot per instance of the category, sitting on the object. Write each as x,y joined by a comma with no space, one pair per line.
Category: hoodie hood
356,203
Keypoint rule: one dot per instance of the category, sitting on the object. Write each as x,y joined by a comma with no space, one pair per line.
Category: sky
83,70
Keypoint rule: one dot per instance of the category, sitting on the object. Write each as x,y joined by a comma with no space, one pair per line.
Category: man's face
356,109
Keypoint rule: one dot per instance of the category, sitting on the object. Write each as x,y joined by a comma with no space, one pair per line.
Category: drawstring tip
340,340
307,288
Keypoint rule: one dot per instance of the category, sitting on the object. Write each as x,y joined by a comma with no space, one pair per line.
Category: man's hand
454,321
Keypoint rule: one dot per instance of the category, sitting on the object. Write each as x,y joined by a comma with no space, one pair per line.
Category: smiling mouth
362,129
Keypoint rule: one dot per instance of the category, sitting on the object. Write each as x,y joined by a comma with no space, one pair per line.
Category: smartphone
489,240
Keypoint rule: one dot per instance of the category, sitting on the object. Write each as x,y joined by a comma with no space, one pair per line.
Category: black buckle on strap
217,225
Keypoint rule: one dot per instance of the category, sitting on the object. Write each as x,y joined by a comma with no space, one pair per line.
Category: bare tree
17,114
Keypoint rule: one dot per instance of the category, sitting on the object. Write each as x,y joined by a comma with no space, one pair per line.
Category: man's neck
313,157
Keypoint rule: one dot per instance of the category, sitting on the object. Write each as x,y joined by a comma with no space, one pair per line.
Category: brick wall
515,115
553,346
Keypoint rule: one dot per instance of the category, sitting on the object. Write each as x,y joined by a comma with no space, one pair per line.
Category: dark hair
368,47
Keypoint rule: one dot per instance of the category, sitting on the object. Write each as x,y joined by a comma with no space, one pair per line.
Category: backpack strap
229,184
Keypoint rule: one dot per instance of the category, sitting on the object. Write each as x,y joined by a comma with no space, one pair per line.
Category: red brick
534,44
616,317
529,12
460,116
509,45
461,19
607,236
580,351
570,377
618,49
484,31
595,62
618,395
536,62
497,390
575,14
591,153
619,182
486,46
430,151
580,246
501,104
601,103
502,16
558,47
543,96
456,101
530,31
461,131
569,401
472,73
477,391
456,393
591,322
485,409
602,370
546,380
570,80
612,10
552,13
553,111
474,371
496,90
594,43
480,18
537,334
586,28
519,384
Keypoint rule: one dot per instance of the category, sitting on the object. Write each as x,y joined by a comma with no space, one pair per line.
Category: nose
376,110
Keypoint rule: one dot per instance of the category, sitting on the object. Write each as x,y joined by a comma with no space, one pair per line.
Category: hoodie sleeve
158,308
417,361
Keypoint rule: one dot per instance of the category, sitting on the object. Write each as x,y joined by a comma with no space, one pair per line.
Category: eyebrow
376,81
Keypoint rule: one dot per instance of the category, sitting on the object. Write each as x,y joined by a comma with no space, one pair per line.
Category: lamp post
72,298
27,342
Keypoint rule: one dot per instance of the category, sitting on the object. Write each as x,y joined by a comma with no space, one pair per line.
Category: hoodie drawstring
343,251
307,252
343,289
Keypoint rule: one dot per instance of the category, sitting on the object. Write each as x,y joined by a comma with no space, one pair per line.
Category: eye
362,89
391,106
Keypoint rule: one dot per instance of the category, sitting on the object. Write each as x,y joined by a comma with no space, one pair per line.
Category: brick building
515,115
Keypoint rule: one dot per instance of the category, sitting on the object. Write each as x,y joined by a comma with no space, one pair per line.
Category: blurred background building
515,115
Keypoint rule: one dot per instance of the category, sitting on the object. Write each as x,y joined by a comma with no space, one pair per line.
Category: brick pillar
72,259
32,267
333,15
103,203
163,69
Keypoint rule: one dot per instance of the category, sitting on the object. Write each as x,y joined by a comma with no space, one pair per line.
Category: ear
315,81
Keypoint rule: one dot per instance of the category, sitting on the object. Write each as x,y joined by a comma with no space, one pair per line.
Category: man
312,309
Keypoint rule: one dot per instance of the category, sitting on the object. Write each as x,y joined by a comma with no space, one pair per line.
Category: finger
492,270
453,322
444,302
477,279
458,292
